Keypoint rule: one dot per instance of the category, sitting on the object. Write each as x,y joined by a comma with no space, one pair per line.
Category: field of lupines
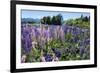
47,43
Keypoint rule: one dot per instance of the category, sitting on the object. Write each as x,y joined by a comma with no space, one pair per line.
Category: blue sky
40,14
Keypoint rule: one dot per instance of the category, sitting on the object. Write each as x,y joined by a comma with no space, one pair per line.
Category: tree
48,20
69,22
43,20
56,20
53,21
59,19
86,19
81,16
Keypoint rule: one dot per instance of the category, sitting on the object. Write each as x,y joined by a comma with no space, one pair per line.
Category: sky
39,14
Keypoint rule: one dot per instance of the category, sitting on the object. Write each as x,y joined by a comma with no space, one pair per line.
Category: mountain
30,20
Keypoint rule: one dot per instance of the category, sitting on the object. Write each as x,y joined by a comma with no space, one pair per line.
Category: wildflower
23,59
48,57
56,51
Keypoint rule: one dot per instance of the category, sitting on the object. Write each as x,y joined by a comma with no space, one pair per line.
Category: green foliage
43,21
83,22
55,20
30,22
48,20
59,19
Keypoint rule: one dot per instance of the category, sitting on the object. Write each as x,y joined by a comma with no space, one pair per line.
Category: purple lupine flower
65,28
75,35
52,32
26,39
45,33
82,43
57,52
87,41
27,43
62,34
57,33
82,50
42,58
49,36
48,57
55,59
73,50
36,32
